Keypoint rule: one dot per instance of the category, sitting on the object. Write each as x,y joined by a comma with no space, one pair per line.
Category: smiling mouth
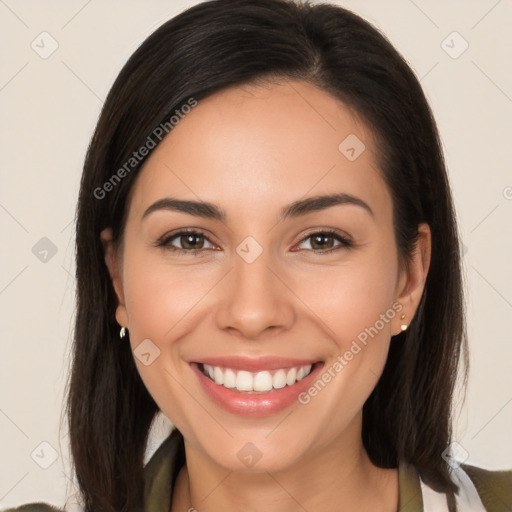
256,382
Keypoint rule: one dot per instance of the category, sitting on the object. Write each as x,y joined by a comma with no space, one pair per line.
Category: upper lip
255,364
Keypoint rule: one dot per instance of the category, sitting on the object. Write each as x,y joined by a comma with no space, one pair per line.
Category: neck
339,475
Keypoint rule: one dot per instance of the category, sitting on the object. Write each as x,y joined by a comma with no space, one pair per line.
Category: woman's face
270,287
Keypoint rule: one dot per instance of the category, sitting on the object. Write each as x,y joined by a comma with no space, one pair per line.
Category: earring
122,332
403,326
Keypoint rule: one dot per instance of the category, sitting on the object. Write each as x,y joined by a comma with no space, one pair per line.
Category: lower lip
255,404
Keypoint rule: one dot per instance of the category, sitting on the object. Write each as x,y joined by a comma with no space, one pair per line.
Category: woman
265,221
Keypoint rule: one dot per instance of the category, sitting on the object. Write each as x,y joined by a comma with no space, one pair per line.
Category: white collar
467,499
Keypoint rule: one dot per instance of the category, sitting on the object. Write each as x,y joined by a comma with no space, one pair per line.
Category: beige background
49,107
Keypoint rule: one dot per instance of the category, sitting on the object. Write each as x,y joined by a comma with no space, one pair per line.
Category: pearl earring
403,326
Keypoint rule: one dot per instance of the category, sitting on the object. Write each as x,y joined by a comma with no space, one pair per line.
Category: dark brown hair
207,48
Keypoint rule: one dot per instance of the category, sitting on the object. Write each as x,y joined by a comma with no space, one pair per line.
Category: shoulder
33,507
479,489
493,487
160,474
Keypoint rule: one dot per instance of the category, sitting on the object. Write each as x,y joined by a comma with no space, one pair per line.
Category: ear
112,260
411,281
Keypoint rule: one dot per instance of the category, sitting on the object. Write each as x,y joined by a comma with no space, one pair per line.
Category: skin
252,151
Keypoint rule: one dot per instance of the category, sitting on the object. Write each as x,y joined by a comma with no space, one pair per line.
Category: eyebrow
295,209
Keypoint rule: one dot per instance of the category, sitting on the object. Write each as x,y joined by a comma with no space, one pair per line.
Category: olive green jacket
493,488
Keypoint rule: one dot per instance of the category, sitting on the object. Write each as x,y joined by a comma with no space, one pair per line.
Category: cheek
159,296
164,303
350,299
160,306
356,305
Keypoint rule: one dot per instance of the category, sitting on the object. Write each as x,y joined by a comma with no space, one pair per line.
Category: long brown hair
206,48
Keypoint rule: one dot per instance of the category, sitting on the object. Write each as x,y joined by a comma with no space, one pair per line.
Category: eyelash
165,241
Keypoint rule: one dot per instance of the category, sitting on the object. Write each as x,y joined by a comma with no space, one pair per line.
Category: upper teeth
259,381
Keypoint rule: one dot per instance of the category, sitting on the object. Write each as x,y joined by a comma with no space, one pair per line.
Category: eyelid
330,231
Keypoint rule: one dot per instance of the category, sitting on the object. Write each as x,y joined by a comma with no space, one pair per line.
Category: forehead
256,146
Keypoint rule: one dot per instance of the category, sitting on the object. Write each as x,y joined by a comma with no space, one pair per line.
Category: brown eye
185,241
322,241
325,241
191,241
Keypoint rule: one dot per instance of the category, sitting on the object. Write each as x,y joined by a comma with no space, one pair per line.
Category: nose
255,300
